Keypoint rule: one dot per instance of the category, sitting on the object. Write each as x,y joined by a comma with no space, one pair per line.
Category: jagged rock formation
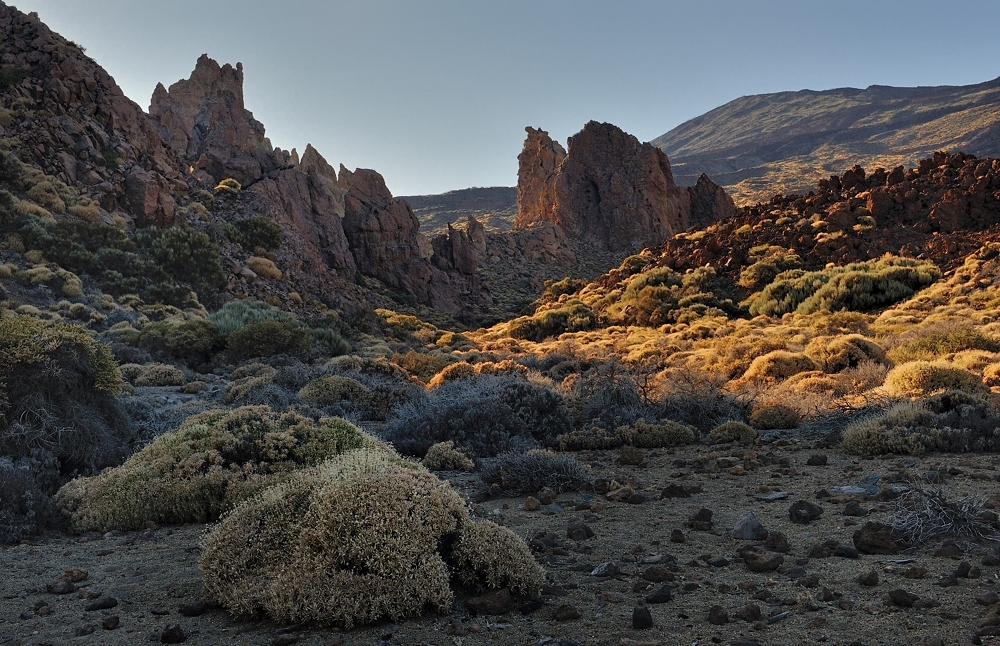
65,114
204,121
766,144
610,189
942,210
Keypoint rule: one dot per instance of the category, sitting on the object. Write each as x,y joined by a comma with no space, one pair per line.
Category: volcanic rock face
69,118
204,121
610,189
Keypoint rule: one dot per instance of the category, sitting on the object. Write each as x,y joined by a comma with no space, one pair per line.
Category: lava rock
776,542
718,616
494,602
104,603
902,598
676,536
854,508
579,531
173,634
804,512
817,460
566,612
749,528
661,594
875,538
642,618
674,490
701,520
761,560
869,579
111,623
750,612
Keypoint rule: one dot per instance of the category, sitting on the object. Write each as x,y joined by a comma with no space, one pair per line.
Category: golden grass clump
203,468
443,456
991,375
333,389
337,545
774,416
264,268
778,365
917,378
835,354
655,436
732,431
452,372
158,374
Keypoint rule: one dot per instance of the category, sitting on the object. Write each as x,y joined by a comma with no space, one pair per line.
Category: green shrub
917,378
194,340
57,395
860,286
236,314
443,456
268,338
338,545
159,374
779,365
203,468
657,435
774,416
187,255
10,165
556,288
592,438
334,389
662,296
732,431
329,342
763,272
573,317
939,344
254,232
12,75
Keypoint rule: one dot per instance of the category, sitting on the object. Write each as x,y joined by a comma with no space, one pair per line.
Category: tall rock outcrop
609,189
68,117
204,121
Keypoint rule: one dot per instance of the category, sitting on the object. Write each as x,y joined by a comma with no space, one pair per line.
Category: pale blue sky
435,94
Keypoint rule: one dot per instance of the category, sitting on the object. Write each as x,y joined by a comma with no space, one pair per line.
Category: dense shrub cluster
778,365
268,338
517,474
657,435
917,378
661,296
484,415
574,316
834,354
860,286
255,232
211,462
443,456
774,416
763,272
732,431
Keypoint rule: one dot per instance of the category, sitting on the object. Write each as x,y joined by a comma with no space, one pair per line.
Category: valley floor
154,573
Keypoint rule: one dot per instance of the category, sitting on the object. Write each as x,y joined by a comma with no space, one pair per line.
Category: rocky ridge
611,189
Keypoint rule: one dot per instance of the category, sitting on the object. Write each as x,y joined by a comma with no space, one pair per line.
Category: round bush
774,416
778,365
655,436
917,378
159,374
267,338
840,353
211,462
732,431
338,545
443,456
460,370
334,389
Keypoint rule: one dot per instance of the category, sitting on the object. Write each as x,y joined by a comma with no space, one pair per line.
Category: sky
435,94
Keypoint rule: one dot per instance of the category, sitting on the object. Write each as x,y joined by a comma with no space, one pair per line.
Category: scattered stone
622,494
104,603
676,536
674,490
809,581
636,499
579,531
846,551
195,609
61,586
929,641
804,512
111,623
817,460
642,618
947,548
915,572
948,581
773,619
963,569
84,629
173,634
631,456
827,595
546,496
718,616
869,578
975,572
553,591
661,594
771,497
43,610
988,598
749,528
609,568
718,562
750,612
761,560
776,542
566,612
875,538
88,593
701,520
74,575
902,598
657,574
286,640
494,602
532,504
854,508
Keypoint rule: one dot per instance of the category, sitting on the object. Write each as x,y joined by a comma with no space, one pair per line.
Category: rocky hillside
761,145
494,207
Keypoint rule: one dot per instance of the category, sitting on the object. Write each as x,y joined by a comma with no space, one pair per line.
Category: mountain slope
495,207
757,146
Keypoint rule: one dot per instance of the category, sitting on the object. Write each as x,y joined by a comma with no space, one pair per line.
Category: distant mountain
761,145
494,207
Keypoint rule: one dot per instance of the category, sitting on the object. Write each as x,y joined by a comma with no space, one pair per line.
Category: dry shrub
923,516
732,431
774,416
835,354
211,462
159,374
443,456
592,438
517,474
459,370
918,378
264,268
334,389
991,375
337,545
814,381
778,365
657,435
974,360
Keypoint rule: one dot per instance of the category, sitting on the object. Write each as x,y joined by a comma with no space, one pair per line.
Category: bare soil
153,573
